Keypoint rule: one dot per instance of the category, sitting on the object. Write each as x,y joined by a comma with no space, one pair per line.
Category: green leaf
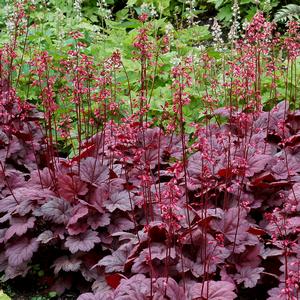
132,24
131,2
122,14
291,11
194,34
251,13
225,13
213,53
159,97
52,294
4,296
93,18
159,23
162,4
218,3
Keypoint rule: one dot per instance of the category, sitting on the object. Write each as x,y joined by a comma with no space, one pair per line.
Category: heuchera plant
147,212
244,217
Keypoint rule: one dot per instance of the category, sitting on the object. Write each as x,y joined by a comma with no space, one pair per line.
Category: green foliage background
52,20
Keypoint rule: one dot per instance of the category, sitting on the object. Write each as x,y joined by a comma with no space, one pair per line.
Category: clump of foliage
149,173
127,205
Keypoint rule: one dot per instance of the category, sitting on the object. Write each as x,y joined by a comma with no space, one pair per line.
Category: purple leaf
293,121
204,262
120,224
108,295
34,198
213,290
14,146
19,226
100,285
21,251
70,187
116,261
187,265
266,252
117,185
87,296
42,177
149,137
93,172
56,210
150,157
8,204
271,120
158,251
5,218
45,237
2,160
97,220
79,227
88,273
66,264
82,242
223,112
248,275
229,225
2,234
78,212
61,284
77,223
256,163
98,197
168,288
24,200
4,140
280,169
277,293
3,261
14,179
249,257
119,200
135,288
287,163
293,225
14,271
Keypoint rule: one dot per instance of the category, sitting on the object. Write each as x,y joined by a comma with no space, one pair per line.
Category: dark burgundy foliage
210,237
